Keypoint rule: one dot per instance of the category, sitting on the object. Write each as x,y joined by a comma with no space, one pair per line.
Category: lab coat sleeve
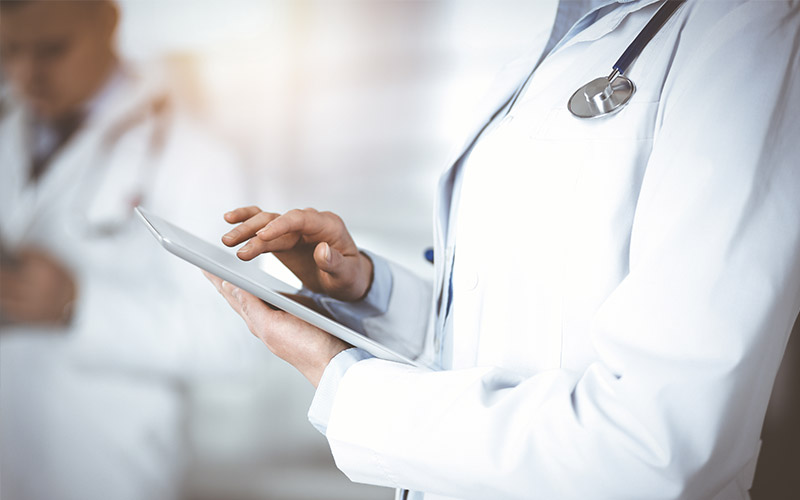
320,411
375,303
688,344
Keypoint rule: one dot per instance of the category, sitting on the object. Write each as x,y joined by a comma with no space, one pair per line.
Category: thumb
328,259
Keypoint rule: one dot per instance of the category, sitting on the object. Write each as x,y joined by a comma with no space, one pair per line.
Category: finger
313,227
256,246
307,222
248,228
230,292
241,214
328,259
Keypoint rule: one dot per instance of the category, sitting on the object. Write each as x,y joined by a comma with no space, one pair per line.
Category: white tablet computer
248,276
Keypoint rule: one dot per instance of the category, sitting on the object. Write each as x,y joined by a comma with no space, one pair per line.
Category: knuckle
261,218
332,218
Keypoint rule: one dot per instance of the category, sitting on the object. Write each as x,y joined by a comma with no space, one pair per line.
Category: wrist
331,350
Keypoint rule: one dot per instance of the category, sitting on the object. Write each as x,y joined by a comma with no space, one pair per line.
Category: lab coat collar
608,23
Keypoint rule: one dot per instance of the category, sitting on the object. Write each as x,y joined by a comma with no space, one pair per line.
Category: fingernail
245,248
231,234
327,253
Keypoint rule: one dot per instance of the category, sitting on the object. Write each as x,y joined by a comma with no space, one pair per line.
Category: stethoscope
607,95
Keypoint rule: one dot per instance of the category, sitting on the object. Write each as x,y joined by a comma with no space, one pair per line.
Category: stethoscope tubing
643,38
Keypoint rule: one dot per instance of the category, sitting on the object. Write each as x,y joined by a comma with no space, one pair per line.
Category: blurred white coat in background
94,410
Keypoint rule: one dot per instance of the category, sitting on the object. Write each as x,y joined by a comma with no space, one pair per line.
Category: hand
315,246
36,289
300,344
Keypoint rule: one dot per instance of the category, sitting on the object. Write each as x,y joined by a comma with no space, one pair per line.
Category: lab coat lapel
68,164
24,203
608,23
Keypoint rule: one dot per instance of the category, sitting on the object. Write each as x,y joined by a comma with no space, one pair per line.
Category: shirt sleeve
375,303
396,311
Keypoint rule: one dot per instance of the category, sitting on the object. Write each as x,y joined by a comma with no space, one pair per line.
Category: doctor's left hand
36,289
300,344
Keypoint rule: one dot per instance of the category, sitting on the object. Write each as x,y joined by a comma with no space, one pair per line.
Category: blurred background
351,106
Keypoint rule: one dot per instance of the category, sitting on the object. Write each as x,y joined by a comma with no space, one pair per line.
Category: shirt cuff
321,406
375,303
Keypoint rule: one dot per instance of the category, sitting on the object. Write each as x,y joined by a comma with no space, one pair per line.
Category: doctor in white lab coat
100,326
612,297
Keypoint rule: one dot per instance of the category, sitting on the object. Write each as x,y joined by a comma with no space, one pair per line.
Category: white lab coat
623,287
94,410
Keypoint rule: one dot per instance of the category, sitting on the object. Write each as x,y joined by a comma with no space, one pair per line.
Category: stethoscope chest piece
602,96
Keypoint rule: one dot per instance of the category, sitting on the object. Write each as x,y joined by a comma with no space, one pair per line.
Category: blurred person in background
99,327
